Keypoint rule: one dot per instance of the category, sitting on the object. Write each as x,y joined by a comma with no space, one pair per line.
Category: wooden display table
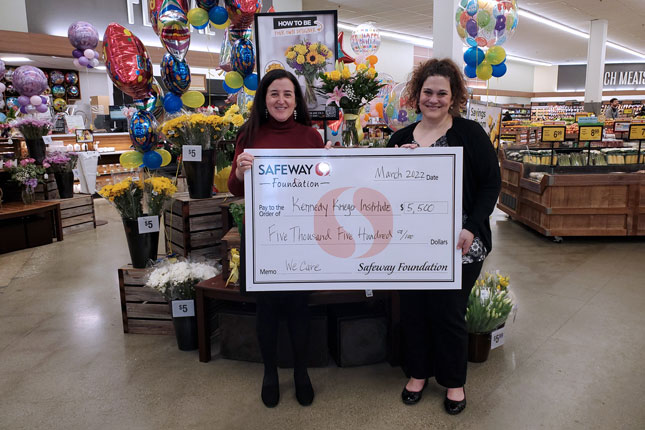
25,226
215,288
575,204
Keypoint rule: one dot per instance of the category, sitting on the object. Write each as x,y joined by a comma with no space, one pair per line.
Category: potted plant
489,305
176,280
128,197
28,174
203,130
61,165
33,130
350,91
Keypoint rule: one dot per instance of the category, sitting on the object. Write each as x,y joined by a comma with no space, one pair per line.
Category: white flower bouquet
176,279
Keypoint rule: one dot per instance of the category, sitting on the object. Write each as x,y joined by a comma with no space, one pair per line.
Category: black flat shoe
270,391
413,397
304,389
454,407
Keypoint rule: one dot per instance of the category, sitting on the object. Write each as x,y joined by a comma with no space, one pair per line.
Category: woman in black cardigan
433,322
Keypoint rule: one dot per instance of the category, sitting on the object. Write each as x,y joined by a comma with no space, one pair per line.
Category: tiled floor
574,358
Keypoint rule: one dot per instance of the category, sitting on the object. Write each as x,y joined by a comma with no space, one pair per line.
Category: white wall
518,77
394,58
14,15
545,79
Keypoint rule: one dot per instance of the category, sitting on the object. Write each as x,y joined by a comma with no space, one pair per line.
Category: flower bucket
36,148
200,174
350,133
478,347
186,333
143,247
28,195
65,184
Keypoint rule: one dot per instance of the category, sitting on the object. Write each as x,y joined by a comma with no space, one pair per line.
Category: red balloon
127,61
153,14
241,12
345,57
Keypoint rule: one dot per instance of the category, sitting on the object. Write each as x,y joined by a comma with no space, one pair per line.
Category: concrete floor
573,358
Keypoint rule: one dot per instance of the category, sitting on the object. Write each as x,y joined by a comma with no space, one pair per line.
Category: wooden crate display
194,226
47,190
77,213
144,310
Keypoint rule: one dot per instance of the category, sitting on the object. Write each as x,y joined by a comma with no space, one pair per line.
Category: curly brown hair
434,67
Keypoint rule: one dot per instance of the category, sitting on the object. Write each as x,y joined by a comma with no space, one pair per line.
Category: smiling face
435,98
281,99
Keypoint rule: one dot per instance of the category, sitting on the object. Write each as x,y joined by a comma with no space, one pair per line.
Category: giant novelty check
353,219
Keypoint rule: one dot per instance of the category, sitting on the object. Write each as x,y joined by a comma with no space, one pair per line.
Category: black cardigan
482,181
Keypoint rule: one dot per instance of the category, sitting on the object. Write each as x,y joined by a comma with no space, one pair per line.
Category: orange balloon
379,109
373,59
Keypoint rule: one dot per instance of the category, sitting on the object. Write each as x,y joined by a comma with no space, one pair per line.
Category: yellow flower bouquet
350,90
158,189
308,59
489,303
126,196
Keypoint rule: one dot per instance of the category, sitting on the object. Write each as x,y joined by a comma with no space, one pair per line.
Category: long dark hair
259,114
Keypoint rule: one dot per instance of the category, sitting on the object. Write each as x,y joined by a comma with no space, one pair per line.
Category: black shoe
454,407
270,390
304,389
413,397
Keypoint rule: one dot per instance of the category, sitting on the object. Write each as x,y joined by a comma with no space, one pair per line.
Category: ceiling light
419,41
528,60
627,50
15,59
526,14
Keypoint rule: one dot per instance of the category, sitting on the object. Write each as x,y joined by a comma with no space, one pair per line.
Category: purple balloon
44,99
29,81
42,108
97,55
471,27
23,100
82,35
77,53
83,61
23,110
2,69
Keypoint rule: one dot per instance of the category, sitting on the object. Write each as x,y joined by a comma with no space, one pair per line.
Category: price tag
76,173
369,293
191,153
183,308
621,126
47,140
496,338
628,111
590,133
553,133
637,132
148,224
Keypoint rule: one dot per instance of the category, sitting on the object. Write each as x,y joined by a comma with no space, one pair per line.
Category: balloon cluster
486,24
3,70
30,82
84,37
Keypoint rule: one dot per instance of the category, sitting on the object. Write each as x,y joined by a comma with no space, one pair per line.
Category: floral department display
61,164
308,60
28,174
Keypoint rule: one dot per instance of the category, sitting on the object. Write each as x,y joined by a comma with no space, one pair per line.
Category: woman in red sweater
279,119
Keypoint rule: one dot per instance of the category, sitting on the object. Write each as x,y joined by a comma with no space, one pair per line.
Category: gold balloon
131,159
166,158
193,99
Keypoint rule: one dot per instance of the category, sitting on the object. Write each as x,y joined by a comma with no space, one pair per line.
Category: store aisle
573,358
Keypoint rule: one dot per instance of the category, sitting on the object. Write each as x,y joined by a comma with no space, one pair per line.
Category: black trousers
435,339
273,306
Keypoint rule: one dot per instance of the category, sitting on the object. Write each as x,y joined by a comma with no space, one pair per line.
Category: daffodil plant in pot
489,305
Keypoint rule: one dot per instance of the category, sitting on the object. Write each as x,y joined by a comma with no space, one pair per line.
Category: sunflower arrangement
158,190
126,196
308,59
347,89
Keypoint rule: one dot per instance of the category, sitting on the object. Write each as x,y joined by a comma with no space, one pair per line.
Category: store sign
615,76
489,117
590,133
637,132
554,133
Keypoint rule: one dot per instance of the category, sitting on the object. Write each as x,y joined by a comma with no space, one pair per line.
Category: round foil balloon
207,4
486,23
143,131
12,102
2,69
397,113
82,35
365,39
239,33
154,103
175,74
241,12
59,105
71,78
127,61
226,53
73,92
29,81
174,30
9,75
58,91
56,77
243,57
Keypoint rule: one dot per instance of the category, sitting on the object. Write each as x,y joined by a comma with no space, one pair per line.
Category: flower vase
143,247
200,175
478,347
310,91
28,195
36,148
185,332
350,133
65,184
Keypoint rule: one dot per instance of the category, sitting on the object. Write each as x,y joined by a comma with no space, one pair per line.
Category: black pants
273,306
435,339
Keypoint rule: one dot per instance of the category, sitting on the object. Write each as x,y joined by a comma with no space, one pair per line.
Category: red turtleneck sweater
276,135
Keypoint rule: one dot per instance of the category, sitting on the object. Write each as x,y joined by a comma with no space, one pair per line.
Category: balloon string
487,88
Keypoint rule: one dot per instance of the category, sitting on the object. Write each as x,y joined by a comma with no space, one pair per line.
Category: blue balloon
152,160
175,74
499,70
142,129
3,117
172,103
251,82
228,89
218,15
470,71
243,57
474,56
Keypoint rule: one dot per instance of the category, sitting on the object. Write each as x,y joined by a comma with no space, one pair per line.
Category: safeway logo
323,169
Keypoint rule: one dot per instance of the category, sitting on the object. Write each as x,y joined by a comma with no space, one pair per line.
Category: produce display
599,157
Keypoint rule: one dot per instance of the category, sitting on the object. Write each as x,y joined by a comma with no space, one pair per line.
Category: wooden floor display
144,310
77,213
574,204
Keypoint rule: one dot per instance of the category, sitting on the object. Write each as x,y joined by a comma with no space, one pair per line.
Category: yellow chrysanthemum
346,74
300,49
300,59
334,75
290,55
237,120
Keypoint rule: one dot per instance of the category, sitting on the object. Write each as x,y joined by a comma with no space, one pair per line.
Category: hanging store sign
615,76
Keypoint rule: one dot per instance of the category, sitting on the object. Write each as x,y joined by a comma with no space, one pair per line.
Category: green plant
489,303
237,211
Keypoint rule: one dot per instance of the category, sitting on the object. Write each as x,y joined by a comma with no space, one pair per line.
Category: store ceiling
533,40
